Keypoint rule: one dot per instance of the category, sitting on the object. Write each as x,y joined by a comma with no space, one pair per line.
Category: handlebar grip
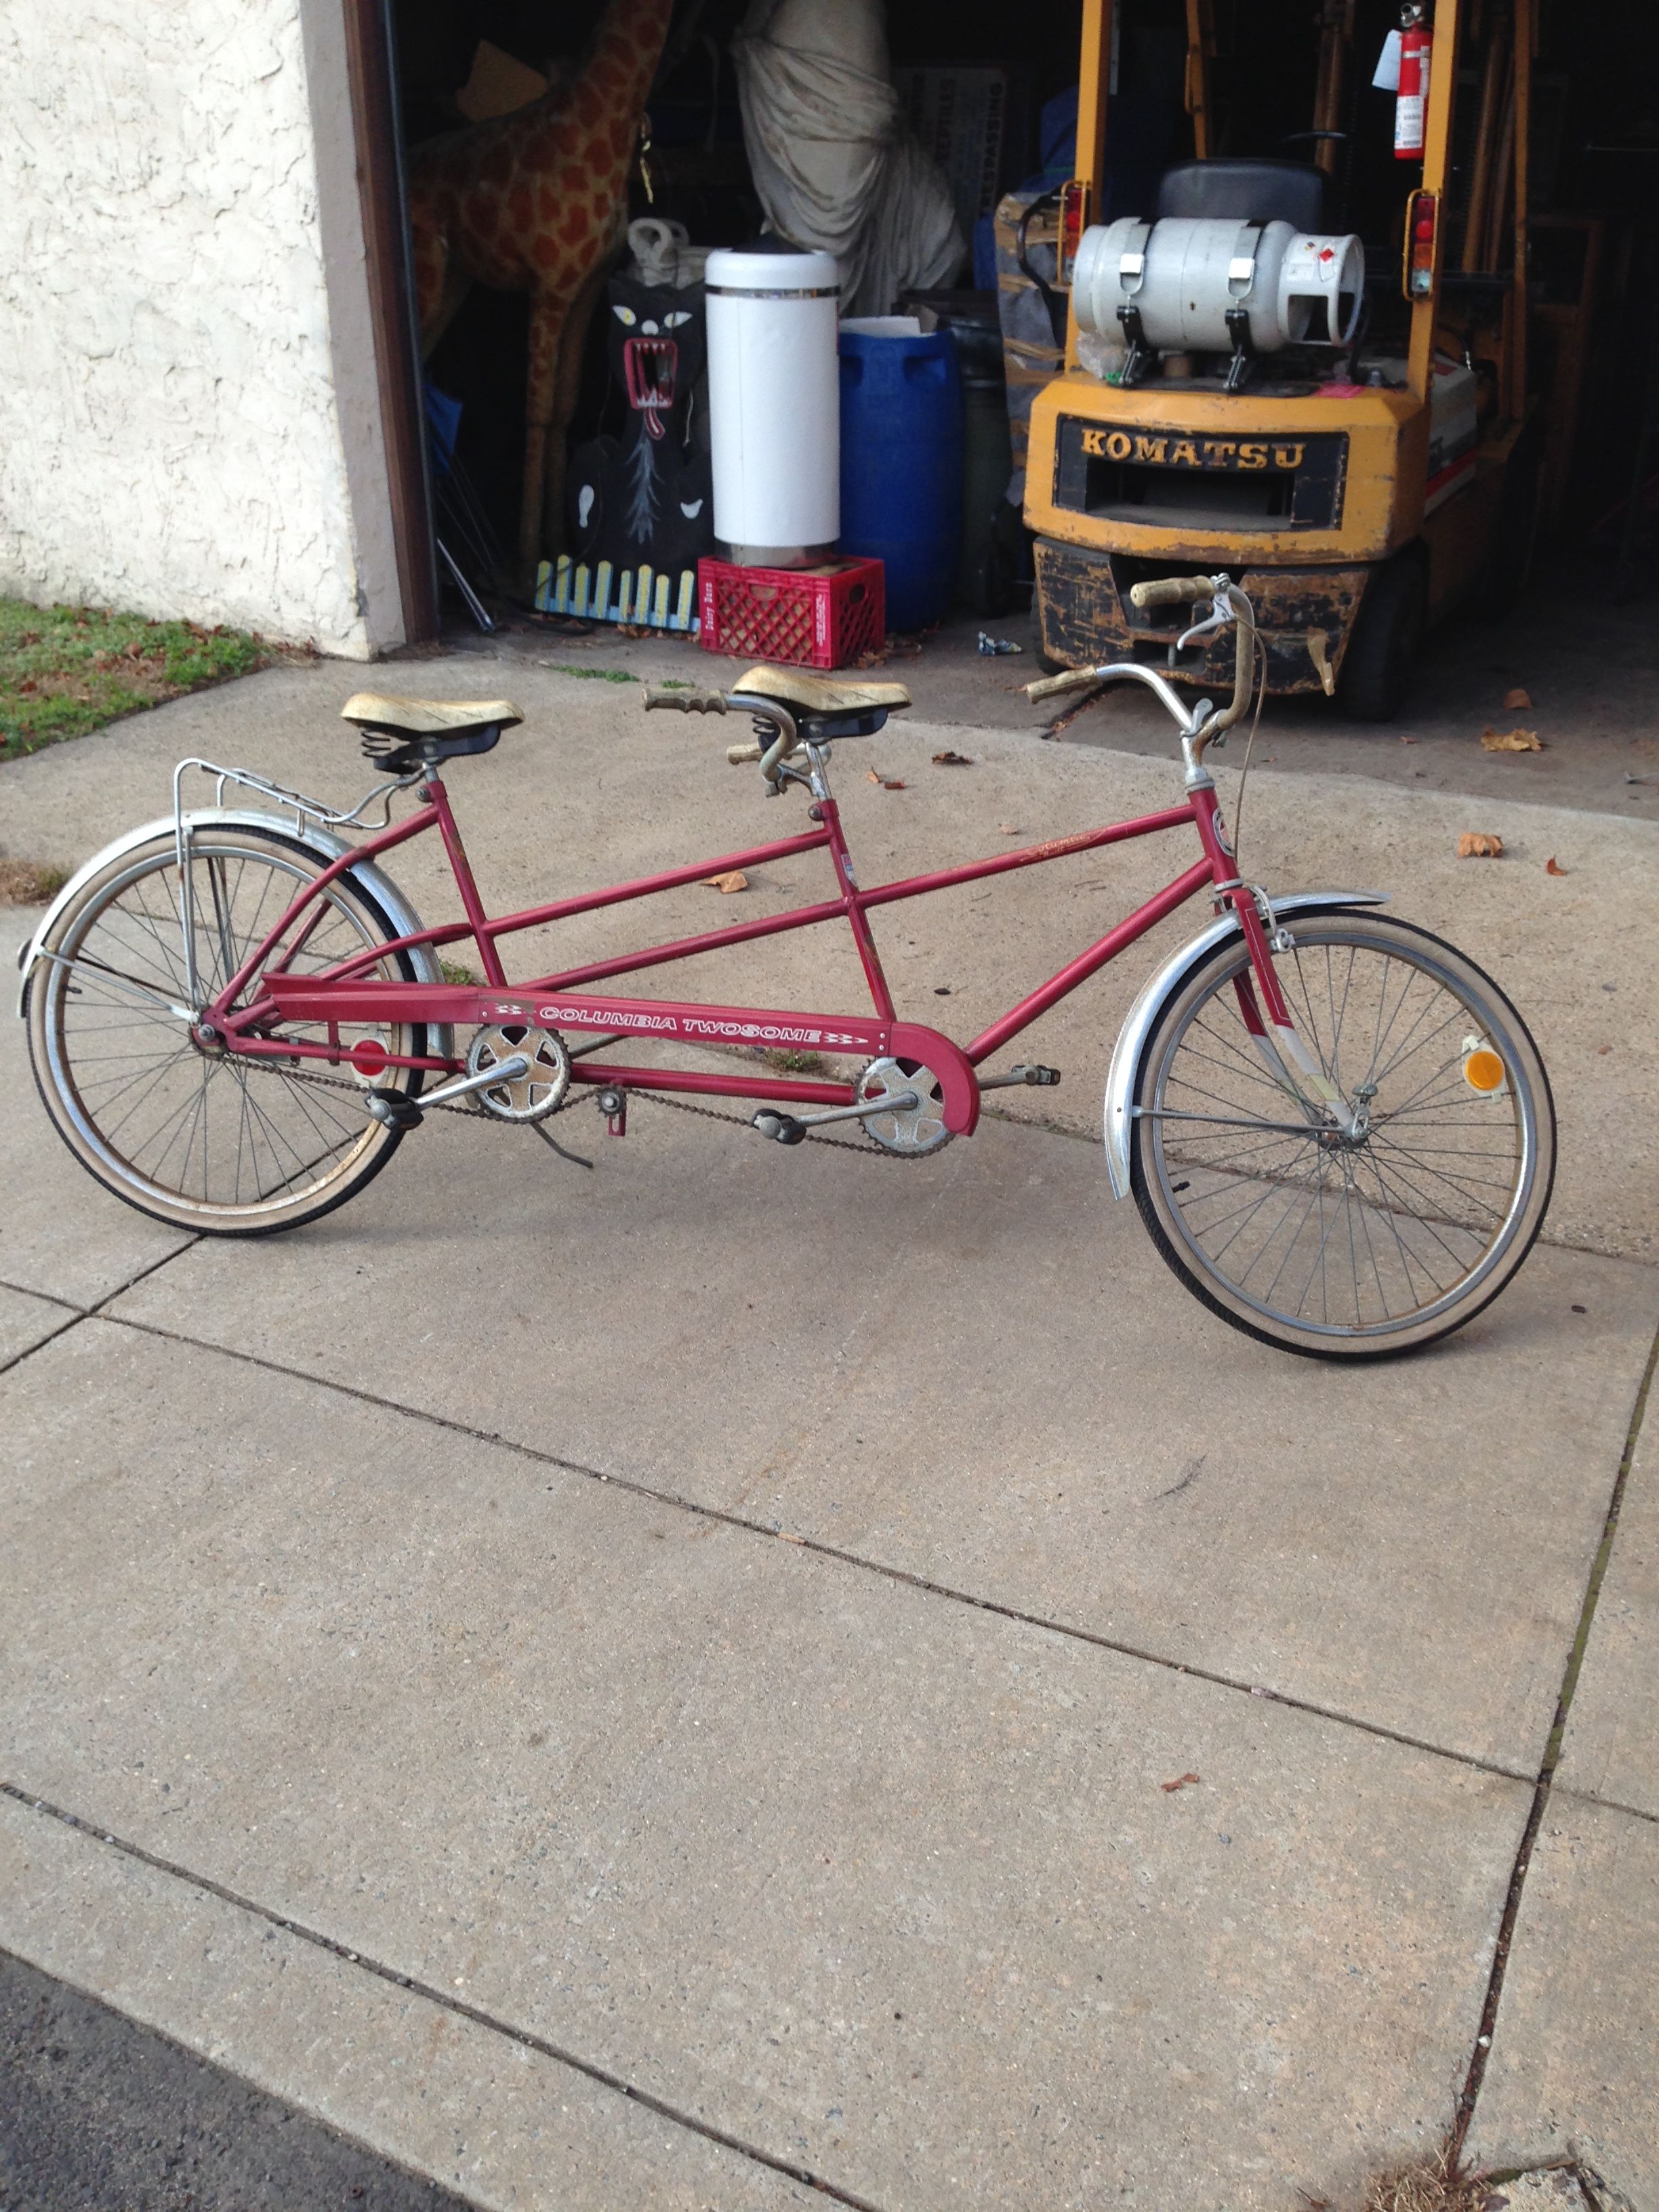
1070,679
1170,590
687,703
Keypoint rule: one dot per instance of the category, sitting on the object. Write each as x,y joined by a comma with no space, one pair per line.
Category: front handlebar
1204,725
1170,590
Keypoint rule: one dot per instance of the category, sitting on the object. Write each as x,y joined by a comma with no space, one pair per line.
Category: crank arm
1042,1078
394,1110
791,1128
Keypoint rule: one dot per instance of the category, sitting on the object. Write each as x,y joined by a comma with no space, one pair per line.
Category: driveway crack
1552,1760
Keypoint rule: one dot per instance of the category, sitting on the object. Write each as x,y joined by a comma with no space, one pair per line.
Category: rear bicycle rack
304,808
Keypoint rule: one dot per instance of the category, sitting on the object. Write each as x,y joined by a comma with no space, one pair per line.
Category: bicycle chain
657,1097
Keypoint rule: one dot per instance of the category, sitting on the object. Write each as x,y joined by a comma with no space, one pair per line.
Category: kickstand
574,1158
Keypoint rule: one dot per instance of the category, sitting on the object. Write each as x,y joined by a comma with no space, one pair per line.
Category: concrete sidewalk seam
1545,1785
46,1297
78,1313
63,1329
479,2018
1609,1804
87,1313
816,1546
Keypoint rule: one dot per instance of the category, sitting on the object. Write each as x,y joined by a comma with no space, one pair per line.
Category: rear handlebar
686,702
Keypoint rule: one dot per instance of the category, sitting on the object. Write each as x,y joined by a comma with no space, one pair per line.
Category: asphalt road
98,2114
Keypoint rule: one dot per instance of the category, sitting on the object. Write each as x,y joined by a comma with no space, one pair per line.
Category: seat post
432,791
847,884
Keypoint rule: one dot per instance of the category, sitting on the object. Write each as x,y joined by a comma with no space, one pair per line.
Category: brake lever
1219,616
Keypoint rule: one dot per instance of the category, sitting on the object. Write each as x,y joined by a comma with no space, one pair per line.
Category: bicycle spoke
162,1116
1360,1227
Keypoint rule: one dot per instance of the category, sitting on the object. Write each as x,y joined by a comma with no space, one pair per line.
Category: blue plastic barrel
900,464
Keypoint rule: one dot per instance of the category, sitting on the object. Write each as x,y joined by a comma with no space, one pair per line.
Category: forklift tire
1387,636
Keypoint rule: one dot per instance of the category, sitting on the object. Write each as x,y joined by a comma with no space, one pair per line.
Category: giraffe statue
537,201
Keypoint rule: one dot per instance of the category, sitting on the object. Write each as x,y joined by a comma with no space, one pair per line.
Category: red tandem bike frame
341,994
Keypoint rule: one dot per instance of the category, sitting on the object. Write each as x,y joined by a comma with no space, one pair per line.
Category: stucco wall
188,424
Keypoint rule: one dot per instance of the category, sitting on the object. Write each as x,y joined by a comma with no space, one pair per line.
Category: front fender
1143,1017
405,922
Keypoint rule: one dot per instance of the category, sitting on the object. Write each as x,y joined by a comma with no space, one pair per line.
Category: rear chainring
528,1097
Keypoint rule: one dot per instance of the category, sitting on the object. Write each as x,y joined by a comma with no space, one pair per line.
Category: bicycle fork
1262,1005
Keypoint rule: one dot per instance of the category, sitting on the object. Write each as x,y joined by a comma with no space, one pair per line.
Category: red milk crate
805,617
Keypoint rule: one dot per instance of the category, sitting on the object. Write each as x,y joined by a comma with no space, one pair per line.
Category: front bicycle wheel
1345,1245
222,1143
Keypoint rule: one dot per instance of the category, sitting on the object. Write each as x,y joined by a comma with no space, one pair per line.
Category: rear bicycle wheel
222,1143
1347,1247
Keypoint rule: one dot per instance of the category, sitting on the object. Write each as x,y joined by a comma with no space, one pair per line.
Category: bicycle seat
820,695
427,718
406,734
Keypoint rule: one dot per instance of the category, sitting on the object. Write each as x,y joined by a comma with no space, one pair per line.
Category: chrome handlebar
1204,723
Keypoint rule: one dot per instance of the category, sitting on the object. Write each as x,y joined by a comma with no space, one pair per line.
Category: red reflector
370,1057
1073,221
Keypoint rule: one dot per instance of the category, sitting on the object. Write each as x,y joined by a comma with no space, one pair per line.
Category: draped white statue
835,163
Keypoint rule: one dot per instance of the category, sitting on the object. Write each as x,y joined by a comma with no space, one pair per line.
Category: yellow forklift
1246,387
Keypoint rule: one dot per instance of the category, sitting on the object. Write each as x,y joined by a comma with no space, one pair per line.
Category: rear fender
322,843
1144,1016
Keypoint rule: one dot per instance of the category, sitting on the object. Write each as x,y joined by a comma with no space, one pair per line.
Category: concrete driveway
729,1675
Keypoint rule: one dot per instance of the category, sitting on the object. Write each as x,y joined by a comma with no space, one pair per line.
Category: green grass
64,671
616,676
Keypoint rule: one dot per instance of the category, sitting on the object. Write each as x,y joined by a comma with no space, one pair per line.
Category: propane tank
1411,105
1185,274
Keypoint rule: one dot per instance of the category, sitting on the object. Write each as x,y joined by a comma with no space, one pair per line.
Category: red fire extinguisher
1412,101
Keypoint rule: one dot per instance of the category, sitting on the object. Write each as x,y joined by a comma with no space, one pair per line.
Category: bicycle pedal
1044,1079
781,1128
394,1110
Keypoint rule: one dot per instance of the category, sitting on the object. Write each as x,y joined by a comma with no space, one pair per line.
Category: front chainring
912,1132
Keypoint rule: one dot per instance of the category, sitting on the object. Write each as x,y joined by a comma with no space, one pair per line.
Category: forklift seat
1246,191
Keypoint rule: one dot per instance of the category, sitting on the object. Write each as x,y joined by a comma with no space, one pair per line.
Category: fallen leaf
734,880
1007,829
887,783
1408,741
948,759
1602,1050
1180,1781
1511,741
1552,867
1516,701
1480,845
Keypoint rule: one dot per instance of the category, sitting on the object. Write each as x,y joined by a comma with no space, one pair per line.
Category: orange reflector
1483,1070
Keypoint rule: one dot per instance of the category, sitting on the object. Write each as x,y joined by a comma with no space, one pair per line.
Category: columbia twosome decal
735,1030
